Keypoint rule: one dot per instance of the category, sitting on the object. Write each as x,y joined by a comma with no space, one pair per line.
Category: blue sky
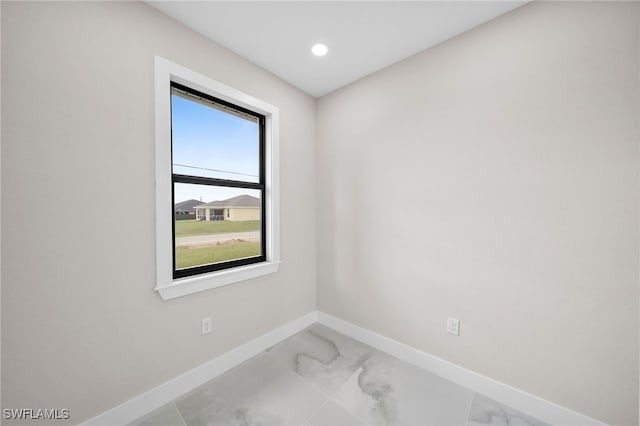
207,138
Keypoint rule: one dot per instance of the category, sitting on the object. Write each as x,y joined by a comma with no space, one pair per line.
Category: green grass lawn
187,228
194,256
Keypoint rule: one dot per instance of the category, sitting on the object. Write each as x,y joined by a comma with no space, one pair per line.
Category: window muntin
217,158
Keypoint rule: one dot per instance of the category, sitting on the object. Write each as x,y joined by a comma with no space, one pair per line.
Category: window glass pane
211,141
215,224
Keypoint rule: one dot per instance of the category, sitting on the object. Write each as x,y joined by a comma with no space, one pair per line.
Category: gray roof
188,205
239,201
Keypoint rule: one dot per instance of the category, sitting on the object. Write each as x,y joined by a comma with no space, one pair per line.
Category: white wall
82,327
493,179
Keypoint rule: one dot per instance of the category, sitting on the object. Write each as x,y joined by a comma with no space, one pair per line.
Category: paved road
209,240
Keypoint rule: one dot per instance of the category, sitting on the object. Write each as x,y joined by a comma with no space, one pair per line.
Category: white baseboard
143,404
539,408
157,397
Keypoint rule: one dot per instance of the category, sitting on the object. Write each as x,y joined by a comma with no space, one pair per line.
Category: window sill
190,285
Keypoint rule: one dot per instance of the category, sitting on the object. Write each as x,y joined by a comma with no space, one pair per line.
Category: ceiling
362,37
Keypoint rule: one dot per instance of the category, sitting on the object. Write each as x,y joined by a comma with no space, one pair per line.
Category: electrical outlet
207,325
453,326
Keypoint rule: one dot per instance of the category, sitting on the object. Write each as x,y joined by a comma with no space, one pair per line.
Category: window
216,163
217,151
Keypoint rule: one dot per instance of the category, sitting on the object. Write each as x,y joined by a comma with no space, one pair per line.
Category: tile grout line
316,411
179,413
304,379
282,363
330,398
311,383
473,398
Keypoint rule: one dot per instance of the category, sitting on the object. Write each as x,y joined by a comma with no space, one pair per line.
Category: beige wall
82,327
243,214
514,148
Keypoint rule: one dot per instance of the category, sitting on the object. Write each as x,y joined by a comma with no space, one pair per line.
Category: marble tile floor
320,377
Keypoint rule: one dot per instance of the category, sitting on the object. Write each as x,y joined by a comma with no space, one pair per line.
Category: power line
214,170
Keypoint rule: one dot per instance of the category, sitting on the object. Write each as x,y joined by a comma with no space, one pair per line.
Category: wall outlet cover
453,326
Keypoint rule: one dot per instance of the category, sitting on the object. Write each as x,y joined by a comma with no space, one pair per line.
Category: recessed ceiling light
319,49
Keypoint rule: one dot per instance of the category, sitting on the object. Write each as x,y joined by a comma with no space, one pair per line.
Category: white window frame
168,287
